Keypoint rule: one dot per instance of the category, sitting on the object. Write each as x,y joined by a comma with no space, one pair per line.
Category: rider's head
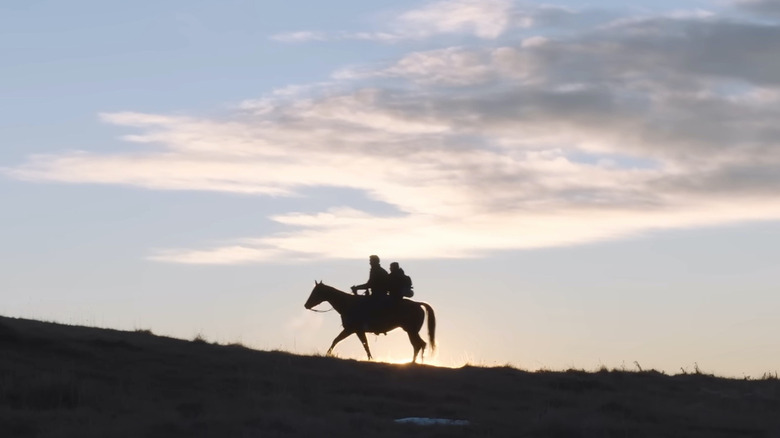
373,260
394,266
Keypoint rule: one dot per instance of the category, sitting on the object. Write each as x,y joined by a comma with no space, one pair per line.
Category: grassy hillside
67,381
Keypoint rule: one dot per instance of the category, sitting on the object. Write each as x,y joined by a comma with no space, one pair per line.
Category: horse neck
338,299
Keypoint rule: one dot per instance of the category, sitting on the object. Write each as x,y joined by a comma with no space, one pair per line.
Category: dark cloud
763,7
660,49
696,95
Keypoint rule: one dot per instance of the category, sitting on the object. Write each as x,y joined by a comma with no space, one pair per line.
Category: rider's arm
359,287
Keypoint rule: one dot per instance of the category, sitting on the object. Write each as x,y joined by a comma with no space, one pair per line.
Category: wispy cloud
652,123
486,19
299,37
483,18
453,66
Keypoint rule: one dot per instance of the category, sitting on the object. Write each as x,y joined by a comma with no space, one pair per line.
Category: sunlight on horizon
396,360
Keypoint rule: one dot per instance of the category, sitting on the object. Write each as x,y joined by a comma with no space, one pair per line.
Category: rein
321,311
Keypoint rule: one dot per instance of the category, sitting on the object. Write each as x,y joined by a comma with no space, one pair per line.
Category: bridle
321,311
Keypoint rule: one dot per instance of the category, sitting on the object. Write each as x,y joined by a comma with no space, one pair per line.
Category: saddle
370,311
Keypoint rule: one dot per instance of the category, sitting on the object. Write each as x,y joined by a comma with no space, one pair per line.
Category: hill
68,381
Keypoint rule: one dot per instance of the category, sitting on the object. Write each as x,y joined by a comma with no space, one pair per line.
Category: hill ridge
65,380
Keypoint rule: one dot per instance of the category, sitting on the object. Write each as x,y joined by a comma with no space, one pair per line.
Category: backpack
407,290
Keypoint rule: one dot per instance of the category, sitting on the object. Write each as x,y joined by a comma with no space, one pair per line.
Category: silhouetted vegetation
67,381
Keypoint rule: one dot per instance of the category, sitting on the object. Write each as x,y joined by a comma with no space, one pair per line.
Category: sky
570,185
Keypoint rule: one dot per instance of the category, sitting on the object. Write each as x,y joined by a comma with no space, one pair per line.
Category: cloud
299,37
451,66
646,124
768,7
485,19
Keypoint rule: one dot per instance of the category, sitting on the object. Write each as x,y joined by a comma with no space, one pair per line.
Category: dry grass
66,381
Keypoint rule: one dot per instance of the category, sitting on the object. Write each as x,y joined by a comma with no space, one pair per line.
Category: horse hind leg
364,341
418,344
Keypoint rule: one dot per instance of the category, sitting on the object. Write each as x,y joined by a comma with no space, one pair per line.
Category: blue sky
570,185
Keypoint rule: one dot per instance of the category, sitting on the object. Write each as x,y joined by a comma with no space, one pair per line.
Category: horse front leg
344,333
364,341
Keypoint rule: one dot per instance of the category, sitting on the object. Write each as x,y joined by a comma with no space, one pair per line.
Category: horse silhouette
405,314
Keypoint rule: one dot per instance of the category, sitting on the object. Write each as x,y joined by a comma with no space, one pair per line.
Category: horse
405,314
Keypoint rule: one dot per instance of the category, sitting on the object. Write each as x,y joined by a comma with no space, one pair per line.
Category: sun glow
427,360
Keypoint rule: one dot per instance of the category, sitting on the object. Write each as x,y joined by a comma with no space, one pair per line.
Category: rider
377,280
398,283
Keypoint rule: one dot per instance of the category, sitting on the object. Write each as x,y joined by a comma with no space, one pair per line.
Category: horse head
316,296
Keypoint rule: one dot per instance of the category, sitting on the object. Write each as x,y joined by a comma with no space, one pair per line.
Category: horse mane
331,288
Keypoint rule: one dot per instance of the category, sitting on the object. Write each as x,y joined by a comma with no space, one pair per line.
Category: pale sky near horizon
570,184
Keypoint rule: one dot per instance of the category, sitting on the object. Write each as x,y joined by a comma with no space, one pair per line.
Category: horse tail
431,325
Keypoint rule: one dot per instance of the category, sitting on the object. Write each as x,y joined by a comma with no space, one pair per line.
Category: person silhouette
399,285
377,283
